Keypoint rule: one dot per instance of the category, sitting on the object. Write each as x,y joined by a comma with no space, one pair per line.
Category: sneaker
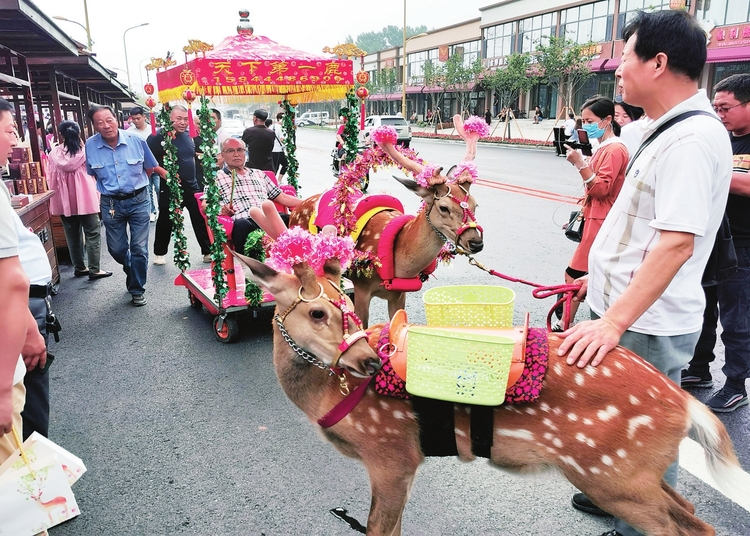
152,218
160,260
727,400
611,533
581,502
139,300
691,378
207,258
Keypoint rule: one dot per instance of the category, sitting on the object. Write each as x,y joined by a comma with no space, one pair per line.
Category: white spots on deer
410,416
637,422
384,404
526,435
621,453
548,436
459,432
582,438
634,400
606,371
372,430
377,236
571,393
531,411
608,461
374,415
620,365
591,371
595,470
608,413
568,460
558,369
544,407
389,430
399,415
549,424
578,379
557,411
358,426
556,442
572,417
587,421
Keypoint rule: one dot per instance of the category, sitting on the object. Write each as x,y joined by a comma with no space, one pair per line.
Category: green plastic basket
458,367
470,305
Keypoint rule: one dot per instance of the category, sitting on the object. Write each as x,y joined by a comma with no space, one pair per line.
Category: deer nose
475,246
372,365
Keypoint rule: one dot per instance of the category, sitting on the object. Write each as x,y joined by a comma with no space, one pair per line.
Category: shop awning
722,55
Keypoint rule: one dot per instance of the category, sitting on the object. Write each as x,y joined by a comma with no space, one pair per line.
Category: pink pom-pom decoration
427,177
465,172
384,134
293,247
476,125
331,247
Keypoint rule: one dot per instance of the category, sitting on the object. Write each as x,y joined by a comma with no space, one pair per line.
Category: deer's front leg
362,299
398,301
390,485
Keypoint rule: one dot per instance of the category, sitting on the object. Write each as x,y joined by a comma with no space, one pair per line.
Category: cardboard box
41,185
18,201
31,186
19,172
11,186
21,155
21,187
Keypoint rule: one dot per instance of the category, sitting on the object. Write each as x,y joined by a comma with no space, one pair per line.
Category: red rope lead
540,292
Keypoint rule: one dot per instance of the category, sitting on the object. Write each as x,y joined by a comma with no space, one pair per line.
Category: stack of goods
26,174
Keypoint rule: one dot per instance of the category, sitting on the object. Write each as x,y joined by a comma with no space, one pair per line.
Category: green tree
435,77
510,81
388,83
459,79
564,65
388,37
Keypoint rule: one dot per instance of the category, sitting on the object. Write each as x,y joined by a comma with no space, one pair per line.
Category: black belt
40,291
131,195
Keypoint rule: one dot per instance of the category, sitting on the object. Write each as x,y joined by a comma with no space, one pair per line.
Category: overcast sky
307,25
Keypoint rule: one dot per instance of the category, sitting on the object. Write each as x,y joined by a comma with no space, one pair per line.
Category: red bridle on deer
349,337
469,221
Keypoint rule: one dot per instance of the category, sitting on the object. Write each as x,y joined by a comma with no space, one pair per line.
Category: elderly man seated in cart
242,188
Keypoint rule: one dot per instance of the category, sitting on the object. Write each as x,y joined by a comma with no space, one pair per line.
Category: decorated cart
243,68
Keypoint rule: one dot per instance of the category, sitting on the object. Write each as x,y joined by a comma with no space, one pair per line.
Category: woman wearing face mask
602,174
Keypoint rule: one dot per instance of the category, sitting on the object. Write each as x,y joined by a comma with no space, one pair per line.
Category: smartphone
583,142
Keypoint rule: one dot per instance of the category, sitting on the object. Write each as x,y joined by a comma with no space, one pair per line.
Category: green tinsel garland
290,143
351,128
207,151
254,250
181,256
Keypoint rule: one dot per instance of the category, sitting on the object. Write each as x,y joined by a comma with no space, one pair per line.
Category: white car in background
396,121
234,127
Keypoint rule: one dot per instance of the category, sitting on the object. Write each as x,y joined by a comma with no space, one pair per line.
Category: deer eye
317,314
445,210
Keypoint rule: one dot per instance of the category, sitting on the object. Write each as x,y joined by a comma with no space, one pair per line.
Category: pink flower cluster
296,245
476,125
466,171
384,134
427,177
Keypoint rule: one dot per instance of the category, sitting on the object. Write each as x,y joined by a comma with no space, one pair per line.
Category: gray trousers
83,233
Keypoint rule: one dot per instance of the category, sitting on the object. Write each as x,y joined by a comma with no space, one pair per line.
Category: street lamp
403,54
125,47
89,42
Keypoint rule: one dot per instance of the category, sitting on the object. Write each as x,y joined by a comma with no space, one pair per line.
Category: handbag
722,263
574,228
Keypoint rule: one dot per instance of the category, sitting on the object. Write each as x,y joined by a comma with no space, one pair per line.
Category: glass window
587,12
629,9
737,11
499,43
591,22
536,30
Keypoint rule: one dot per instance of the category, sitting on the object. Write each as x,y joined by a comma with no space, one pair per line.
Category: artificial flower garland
351,129
207,151
181,256
297,245
290,143
254,249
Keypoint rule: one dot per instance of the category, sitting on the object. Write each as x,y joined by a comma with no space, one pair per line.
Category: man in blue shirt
122,162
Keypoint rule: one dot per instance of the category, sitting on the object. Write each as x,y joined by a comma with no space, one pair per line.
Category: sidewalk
520,128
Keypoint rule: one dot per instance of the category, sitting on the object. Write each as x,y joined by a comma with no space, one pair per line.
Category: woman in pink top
76,201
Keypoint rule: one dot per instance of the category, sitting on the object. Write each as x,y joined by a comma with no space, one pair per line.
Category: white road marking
693,461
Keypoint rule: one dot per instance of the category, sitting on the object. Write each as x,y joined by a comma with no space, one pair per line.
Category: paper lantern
187,77
362,92
148,87
363,77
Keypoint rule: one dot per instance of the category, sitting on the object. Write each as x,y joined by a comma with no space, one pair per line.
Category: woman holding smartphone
602,174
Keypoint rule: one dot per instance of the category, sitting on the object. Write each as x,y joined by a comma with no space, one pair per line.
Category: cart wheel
195,303
229,330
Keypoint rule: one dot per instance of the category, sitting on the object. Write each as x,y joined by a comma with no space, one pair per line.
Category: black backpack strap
664,126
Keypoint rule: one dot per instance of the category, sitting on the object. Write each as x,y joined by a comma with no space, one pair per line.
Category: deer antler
386,138
474,128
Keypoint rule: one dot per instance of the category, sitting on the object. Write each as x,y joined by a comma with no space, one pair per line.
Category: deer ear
412,185
263,275
449,175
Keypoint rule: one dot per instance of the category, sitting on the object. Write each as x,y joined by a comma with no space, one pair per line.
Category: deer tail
721,460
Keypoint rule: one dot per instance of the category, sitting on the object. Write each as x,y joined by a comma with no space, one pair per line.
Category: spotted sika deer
612,430
447,216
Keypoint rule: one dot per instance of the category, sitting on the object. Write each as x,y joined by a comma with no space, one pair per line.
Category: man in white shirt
646,263
140,126
569,125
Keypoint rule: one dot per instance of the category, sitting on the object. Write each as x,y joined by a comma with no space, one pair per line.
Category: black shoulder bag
722,263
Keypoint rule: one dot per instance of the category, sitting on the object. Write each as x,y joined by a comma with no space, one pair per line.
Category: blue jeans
153,191
130,251
728,302
669,355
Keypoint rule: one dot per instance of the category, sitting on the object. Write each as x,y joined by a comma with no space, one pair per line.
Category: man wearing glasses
242,188
188,182
732,296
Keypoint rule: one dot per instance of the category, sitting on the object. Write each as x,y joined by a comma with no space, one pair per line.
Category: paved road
184,435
